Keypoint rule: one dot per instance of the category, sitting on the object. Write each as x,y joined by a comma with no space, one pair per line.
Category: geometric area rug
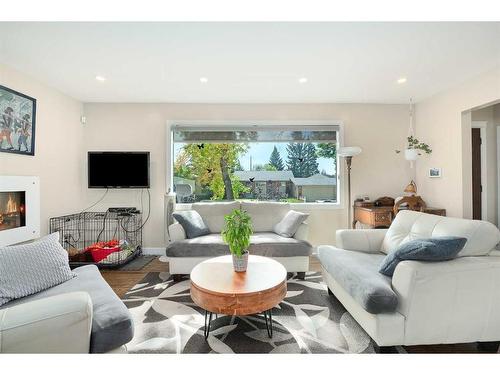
308,320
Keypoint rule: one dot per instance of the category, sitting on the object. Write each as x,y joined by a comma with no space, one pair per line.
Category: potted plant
415,148
236,234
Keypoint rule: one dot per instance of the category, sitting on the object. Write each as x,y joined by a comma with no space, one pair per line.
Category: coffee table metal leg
206,330
268,314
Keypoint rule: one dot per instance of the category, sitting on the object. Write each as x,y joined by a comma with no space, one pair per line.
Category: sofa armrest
456,300
56,324
302,233
176,232
365,240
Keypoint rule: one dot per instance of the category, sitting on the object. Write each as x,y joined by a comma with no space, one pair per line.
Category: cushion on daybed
192,223
290,223
435,249
32,267
213,213
358,274
112,324
265,243
265,215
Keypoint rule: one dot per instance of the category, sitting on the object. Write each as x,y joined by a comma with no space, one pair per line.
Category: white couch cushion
265,215
482,236
213,213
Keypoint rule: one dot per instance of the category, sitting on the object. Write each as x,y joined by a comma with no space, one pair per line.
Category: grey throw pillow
192,223
290,223
30,268
429,249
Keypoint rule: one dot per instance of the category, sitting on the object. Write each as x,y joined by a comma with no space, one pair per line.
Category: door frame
484,164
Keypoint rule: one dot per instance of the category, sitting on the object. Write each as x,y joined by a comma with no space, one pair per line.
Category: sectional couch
183,254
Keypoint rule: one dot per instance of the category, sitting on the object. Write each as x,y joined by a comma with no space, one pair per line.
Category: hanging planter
411,154
414,148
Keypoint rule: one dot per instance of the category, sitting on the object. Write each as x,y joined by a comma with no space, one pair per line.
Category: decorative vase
411,154
240,263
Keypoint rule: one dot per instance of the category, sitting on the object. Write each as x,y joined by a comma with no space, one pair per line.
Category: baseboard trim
153,250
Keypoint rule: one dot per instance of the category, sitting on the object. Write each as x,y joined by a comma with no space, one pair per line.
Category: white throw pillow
30,268
290,223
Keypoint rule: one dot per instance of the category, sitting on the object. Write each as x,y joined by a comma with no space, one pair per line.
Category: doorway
479,177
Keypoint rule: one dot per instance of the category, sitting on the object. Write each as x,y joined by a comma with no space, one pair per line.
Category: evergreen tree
238,166
264,167
329,151
302,159
276,161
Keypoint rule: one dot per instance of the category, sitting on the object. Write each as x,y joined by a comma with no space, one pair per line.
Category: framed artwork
434,172
17,122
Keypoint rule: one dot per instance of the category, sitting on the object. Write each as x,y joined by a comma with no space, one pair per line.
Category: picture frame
17,122
434,172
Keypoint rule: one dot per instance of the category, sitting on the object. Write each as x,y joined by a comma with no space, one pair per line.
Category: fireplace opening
12,209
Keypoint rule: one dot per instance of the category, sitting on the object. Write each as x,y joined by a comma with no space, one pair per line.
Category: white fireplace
19,209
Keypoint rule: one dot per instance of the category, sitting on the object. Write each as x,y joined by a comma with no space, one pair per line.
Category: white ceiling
251,62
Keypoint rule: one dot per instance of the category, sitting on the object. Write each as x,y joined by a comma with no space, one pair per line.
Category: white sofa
456,301
81,315
183,254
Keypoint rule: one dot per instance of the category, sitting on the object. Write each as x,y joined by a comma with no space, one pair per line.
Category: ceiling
251,62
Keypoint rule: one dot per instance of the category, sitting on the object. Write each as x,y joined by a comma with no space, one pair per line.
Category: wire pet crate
106,239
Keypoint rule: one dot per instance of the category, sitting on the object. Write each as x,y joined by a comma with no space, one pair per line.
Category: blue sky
261,152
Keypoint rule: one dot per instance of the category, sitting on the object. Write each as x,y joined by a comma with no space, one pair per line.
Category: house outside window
285,163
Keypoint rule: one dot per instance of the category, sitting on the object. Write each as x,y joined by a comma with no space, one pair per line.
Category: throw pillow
429,249
192,223
290,223
30,268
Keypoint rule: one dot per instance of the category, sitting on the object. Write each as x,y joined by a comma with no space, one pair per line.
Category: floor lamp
347,153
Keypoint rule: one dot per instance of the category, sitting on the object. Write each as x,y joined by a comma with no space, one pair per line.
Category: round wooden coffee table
217,288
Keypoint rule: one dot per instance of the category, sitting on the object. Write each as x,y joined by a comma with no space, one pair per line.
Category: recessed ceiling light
303,80
203,79
100,78
401,80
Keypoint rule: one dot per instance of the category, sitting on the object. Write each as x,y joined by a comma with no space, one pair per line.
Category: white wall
378,129
443,121
58,149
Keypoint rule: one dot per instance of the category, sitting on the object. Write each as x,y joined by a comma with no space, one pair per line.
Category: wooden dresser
374,217
381,217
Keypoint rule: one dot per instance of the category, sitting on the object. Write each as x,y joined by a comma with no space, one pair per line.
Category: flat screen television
117,170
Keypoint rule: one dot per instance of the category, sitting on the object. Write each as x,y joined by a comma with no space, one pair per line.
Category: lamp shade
411,188
345,152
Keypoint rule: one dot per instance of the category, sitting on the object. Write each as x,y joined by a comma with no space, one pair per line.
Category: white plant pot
411,154
240,264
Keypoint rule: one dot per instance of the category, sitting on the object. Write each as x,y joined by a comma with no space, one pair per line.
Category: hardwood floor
122,281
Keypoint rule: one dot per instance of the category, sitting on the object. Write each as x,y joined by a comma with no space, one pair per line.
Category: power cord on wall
78,224
147,218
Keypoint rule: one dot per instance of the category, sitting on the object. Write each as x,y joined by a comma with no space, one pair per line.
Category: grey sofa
183,253
80,315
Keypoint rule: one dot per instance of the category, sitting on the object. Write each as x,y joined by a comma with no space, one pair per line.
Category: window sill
293,206
316,206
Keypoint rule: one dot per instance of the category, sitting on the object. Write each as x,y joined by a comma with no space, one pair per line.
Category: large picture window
288,164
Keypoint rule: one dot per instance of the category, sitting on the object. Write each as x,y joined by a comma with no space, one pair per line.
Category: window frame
196,124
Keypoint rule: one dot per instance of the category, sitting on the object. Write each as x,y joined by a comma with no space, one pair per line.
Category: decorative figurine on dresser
381,212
